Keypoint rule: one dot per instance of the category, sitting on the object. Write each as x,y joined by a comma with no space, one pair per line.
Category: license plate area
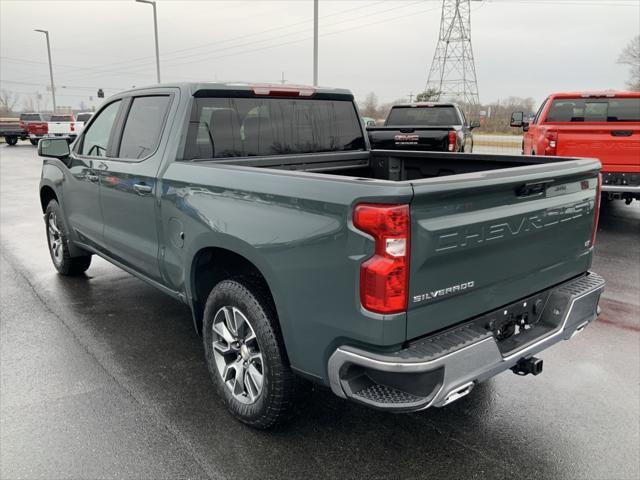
520,323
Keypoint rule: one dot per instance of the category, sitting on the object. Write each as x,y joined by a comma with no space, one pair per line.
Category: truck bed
506,226
390,164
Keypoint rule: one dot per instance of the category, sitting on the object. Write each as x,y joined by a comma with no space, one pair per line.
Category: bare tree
8,101
370,105
499,113
631,56
35,103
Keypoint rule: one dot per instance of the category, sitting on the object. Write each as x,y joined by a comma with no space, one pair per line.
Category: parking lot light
53,88
155,28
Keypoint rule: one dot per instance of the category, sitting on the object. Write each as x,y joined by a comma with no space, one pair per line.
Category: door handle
92,178
621,133
142,188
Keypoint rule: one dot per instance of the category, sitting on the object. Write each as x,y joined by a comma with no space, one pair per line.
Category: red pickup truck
602,125
35,125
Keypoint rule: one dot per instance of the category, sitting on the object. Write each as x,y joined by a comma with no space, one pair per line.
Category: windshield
245,127
594,110
431,116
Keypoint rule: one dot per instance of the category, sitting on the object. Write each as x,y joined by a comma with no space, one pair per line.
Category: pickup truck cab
604,125
440,127
35,125
62,125
399,279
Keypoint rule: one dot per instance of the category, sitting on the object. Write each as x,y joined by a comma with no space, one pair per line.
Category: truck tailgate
616,146
38,128
483,240
409,138
59,128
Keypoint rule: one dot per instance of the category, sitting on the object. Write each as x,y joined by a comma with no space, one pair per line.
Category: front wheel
57,242
34,141
11,141
245,354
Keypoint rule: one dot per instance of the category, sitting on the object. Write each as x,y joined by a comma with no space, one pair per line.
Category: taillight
550,143
73,127
596,213
384,277
452,140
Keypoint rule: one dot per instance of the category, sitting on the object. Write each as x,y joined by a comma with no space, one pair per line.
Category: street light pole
155,28
53,88
315,43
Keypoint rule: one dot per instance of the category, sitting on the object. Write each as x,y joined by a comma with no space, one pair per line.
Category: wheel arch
47,193
212,264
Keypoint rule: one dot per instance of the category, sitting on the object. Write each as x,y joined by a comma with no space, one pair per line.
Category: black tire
58,245
34,141
11,141
273,404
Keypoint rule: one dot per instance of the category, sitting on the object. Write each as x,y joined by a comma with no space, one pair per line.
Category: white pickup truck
62,125
81,120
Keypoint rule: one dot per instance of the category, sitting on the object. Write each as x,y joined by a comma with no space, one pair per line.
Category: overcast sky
521,47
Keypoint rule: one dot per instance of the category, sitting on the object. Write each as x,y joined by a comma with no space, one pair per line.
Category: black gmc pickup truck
440,127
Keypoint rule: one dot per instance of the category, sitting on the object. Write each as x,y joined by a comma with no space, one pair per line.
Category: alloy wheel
55,238
237,354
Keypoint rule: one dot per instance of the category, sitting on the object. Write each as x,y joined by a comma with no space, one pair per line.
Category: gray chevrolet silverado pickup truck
399,279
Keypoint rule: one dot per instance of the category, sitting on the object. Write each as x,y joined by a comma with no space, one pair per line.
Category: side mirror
474,124
525,126
517,119
54,148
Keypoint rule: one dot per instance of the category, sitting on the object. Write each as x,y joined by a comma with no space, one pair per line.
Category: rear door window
594,110
247,127
143,127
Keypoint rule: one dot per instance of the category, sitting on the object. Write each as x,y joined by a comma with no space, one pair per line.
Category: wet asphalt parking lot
104,377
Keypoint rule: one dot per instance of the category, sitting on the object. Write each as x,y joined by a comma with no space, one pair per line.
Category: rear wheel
244,353
34,141
11,140
57,242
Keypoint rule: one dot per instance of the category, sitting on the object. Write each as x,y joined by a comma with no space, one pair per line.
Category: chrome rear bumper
621,188
439,369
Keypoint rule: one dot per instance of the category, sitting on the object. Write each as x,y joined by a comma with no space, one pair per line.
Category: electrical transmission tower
453,71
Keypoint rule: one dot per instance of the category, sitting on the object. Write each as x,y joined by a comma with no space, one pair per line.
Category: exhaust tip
458,393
